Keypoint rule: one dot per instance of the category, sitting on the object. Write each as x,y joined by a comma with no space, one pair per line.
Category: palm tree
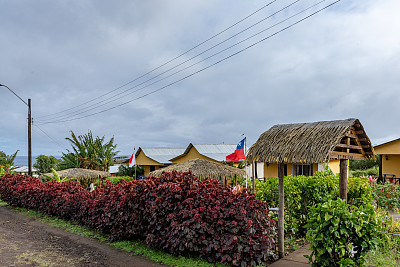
90,153
7,161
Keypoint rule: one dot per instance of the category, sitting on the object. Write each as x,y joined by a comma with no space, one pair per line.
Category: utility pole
29,138
29,129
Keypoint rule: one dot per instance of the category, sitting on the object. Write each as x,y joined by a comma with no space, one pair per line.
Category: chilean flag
239,152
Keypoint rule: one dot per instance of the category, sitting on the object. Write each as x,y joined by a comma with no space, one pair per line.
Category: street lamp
29,129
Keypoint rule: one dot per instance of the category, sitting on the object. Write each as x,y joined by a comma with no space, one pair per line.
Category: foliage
371,171
302,192
118,179
176,213
125,170
7,163
44,164
341,234
363,164
89,152
386,195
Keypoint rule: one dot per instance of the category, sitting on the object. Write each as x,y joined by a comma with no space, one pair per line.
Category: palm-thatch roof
78,173
203,168
315,142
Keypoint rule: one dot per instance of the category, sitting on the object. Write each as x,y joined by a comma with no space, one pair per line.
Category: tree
44,163
7,162
124,170
90,153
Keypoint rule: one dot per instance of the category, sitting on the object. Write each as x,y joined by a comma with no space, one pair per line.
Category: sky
170,73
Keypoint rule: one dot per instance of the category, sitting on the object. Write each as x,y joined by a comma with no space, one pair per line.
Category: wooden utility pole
281,212
29,138
252,178
343,180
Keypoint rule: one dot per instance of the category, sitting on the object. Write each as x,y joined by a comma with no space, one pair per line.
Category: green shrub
341,234
386,195
302,192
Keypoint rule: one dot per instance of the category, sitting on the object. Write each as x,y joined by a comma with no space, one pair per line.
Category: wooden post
380,178
281,212
254,173
343,180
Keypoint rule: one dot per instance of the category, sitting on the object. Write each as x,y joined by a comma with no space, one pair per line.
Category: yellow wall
392,147
142,159
192,154
270,170
392,165
334,165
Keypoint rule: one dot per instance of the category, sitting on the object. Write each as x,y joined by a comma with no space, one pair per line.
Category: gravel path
26,242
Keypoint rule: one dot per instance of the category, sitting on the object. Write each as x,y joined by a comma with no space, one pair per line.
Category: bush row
177,213
303,192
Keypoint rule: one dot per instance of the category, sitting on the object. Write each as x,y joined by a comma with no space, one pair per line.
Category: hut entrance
305,144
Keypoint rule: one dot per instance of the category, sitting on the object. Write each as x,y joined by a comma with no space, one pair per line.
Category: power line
52,139
205,68
89,108
169,61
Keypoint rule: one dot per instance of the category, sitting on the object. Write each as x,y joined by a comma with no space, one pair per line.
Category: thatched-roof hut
315,142
310,143
203,168
78,173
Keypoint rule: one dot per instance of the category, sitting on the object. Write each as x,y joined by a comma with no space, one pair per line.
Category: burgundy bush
176,213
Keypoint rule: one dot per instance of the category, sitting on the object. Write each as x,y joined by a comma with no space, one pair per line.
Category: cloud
341,63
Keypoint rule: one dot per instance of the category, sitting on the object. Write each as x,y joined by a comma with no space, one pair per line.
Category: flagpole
134,156
245,153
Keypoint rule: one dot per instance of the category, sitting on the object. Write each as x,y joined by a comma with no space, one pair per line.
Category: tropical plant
7,163
44,163
89,152
341,234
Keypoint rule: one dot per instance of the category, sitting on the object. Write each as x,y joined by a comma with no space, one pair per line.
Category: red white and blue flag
239,152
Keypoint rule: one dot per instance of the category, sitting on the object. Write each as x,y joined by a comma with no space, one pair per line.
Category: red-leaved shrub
176,213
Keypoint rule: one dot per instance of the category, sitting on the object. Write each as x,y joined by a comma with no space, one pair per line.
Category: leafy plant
341,234
89,152
125,170
7,163
386,195
44,164
176,212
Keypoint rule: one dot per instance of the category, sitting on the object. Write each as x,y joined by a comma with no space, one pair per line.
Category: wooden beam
281,212
344,155
362,139
359,132
349,146
343,180
351,135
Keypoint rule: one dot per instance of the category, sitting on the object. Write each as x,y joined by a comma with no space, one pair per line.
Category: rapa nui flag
238,154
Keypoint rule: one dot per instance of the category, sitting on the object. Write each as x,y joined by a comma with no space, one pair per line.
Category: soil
26,242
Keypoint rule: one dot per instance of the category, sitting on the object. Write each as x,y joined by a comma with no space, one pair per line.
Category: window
303,169
152,168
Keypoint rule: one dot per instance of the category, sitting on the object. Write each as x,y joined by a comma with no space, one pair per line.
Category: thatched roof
78,173
312,142
203,168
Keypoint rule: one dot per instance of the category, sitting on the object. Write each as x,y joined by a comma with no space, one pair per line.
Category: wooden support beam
344,155
362,139
349,146
380,178
343,180
281,212
351,135
359,132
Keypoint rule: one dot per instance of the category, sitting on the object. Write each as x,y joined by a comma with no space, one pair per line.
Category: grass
135,247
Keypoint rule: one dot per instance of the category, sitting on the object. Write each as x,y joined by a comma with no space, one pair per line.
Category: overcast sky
343,62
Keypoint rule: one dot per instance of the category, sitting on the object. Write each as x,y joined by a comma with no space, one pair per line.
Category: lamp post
29,129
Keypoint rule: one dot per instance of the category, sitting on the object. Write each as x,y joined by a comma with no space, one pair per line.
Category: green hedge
303,192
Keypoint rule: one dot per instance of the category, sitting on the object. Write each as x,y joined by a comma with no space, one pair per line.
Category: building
154,158
389,158
210,152
305,148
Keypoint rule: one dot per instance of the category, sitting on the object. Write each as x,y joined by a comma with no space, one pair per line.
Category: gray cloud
342,63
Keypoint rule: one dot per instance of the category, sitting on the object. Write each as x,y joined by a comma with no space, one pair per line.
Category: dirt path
26,242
